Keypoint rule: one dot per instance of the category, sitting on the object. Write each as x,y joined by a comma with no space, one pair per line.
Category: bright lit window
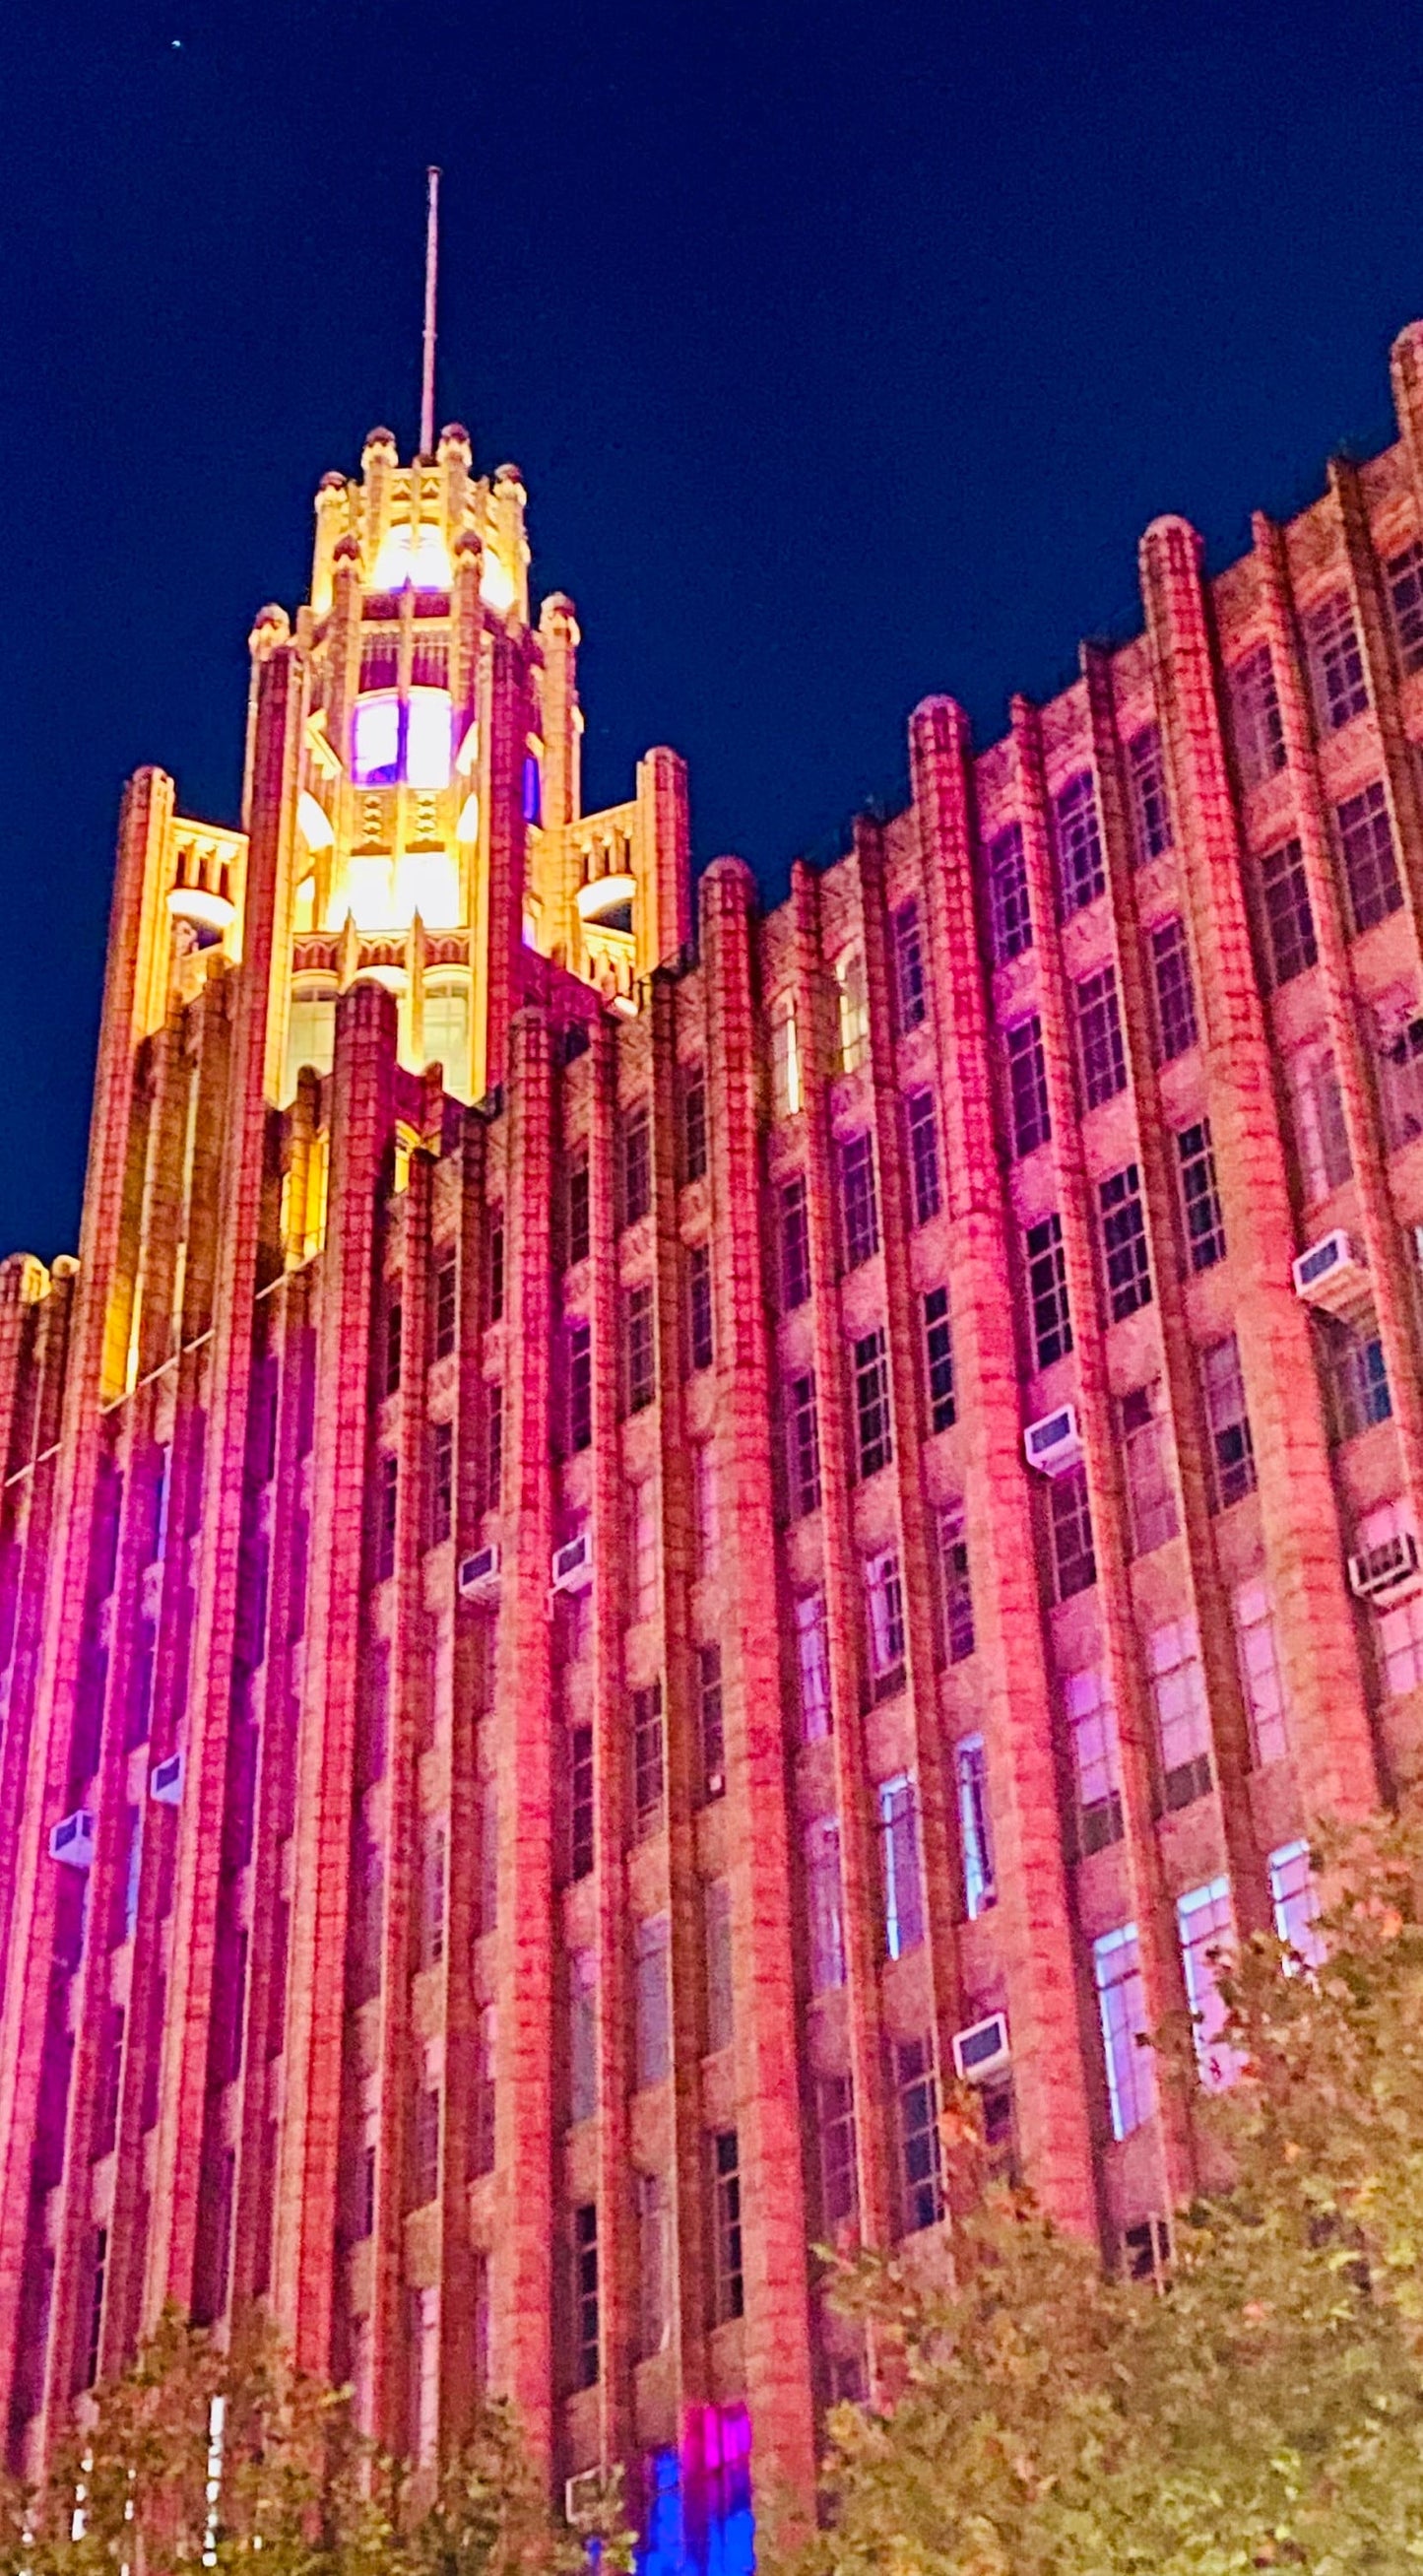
428,738
1205,1926
425,564
375,743
1295,1899
1121,2002
496,585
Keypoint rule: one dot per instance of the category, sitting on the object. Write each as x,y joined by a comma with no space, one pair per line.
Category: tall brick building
625,1544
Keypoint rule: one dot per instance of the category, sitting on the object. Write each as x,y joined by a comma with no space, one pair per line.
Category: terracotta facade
617,1537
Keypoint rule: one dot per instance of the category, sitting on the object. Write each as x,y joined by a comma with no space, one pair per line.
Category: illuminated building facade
620,1551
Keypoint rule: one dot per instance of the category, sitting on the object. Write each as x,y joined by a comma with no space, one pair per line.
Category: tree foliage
1266,2408
198,2456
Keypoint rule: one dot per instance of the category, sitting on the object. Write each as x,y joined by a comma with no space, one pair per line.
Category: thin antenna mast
432,261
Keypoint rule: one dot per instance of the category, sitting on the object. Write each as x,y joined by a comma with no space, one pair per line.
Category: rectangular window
580,1801
1335,662
884,1617
652,2009
637,1165
839,2180
1073,1555
975,1838
694,1125
716,1947
1357,1377
1176,1029
1255,724
1232,1449
1096,1771
579,1210
481,2144
1205,1926
425,2148
712,1721
872,1420
922,1132
726,2187
824,1904
387,1502
654,2252
1321,1137
1370,860
1150,807
1121,2001
1401,1082
854,1009
1183,1723
1100,1053
1124,1253
899,1861
582,2035
1399,1630
638,1349
1260,1679
442,1482
812,1666
699,1306
1294,1897
909,985
646,1553
1286,917
1404,574
1151,1497
585,2293
394,1322
647,1761
446,1302
954,1584
802,1446
1081,871
1010,921
859,1203
494,1270
1047,1292
580,1386
939,1359
786,1091
916,2089
704,1506
795,1244
1200,1197
430,1927
1027,1086
493,1445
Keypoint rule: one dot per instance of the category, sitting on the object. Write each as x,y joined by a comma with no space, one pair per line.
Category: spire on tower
432,256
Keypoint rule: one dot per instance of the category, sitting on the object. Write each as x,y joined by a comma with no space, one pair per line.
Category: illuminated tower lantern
624,1551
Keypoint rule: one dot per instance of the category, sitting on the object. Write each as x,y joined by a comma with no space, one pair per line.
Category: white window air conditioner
165,1781
1331,1274
1388,1572
582,2495
479,1574
72,1839
1054,1444
572,1568
981,2051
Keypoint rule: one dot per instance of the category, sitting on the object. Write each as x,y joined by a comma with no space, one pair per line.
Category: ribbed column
178,2167
361,1119
411,1655
1149,1905
147,808
1373,624
777,2337
1034,1932
1330,1736
1353,1064
560,725
508,718
860,1884
664,913
523,2254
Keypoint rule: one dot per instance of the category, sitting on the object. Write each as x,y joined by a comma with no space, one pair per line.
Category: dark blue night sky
846,350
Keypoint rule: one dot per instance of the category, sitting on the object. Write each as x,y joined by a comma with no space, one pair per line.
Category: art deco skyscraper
621,1555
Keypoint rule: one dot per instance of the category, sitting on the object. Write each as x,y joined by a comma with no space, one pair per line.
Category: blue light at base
698,2513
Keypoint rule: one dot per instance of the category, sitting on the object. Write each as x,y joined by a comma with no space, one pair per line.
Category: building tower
619,1556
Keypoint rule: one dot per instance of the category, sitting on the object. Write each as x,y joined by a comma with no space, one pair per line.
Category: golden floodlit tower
625,1553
